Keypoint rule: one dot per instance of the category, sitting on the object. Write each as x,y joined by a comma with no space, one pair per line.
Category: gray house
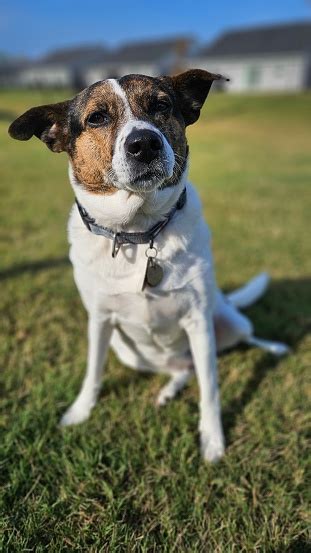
10,69
62,68
82,66
269,58
148,58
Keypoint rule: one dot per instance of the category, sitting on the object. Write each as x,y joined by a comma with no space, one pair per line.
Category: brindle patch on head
167,103
91,149
143,93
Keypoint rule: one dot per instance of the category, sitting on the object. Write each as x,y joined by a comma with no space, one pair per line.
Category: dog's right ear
49,123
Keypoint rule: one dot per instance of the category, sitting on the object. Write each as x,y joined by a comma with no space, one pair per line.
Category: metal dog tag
154,272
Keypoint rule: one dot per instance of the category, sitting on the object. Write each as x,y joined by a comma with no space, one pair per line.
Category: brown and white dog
154,300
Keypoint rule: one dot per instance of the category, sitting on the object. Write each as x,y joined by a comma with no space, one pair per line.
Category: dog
139,246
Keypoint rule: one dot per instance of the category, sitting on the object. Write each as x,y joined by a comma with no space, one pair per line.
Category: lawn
131,478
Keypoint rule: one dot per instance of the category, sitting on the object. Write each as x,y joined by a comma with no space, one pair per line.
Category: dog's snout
143,145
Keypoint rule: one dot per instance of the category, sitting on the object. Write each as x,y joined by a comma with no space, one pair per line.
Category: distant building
148,58
269,58
62,68
82,66
10,69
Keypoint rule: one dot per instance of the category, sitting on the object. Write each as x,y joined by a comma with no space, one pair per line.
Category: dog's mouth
149,179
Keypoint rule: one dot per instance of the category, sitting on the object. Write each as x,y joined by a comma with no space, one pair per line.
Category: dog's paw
75,415
212,447
164,396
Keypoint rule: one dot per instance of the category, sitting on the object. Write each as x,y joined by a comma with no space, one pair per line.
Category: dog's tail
247,295
250,292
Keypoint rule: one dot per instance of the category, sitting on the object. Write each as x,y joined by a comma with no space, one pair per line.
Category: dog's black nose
143,145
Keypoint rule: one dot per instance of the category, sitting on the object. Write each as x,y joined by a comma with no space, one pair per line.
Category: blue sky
33,27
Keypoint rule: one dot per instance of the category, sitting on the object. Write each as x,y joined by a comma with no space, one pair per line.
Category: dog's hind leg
177,382
233,328
276,348
99,333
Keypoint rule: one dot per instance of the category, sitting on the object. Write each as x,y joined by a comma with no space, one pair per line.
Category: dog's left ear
49,123
191,90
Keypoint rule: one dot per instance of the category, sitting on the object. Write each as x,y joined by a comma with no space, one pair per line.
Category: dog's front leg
201,336
99,333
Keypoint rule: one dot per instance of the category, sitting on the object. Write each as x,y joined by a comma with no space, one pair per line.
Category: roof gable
259,40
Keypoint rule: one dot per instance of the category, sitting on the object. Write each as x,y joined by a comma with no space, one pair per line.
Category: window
253,73
279,70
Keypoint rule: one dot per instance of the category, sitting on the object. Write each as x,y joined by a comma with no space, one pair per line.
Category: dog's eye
163,106
98,119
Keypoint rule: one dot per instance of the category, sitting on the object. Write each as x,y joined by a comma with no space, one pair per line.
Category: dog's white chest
155,313
147,332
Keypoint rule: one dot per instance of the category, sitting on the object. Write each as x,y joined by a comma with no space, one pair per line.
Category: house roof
76,56
10,66
152,50
146,51
259,40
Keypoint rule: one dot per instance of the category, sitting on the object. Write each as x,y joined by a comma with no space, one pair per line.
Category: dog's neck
128,211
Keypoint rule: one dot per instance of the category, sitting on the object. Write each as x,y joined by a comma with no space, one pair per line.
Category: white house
82,66
151,58
269,58
61,68
44,75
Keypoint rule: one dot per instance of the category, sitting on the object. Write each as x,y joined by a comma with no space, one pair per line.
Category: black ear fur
49,123
191,90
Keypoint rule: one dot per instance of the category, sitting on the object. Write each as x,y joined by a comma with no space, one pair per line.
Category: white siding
258,73
100,72
150,69
94,75
45,76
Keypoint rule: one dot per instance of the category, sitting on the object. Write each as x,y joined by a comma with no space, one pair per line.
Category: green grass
131,478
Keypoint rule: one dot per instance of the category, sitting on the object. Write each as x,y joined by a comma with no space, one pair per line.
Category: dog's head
123,134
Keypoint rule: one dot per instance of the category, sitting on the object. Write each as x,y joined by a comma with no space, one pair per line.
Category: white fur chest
146,321
183,251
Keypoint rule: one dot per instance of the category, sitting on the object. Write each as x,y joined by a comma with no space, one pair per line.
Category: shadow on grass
33,267
301,545
283,314
236,407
